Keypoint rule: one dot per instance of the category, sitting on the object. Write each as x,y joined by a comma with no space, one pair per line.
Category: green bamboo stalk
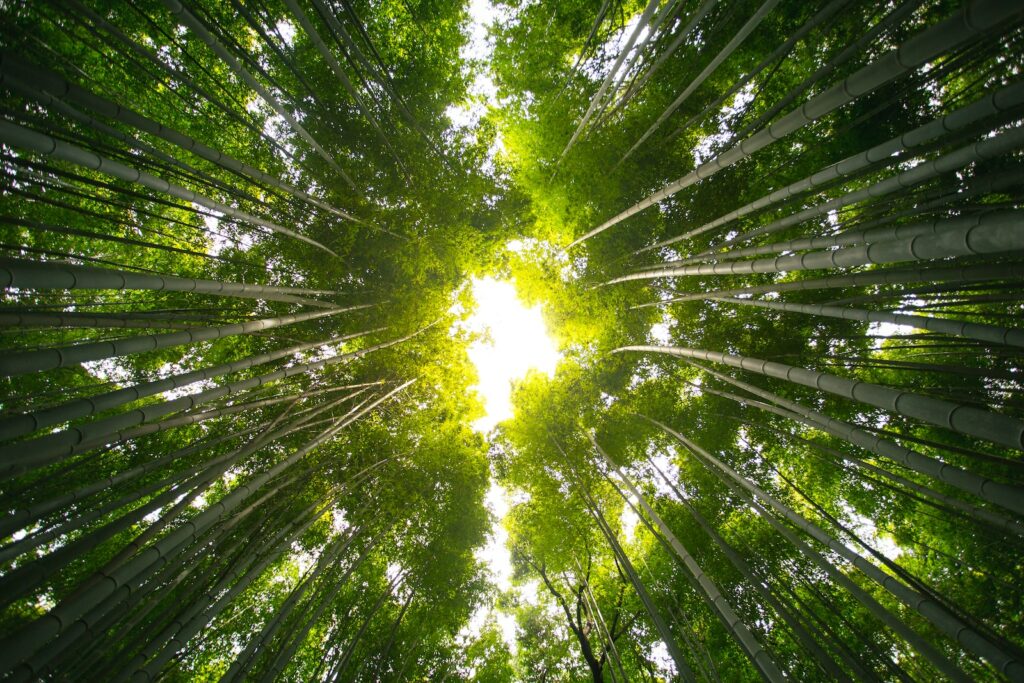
71,617
752,23
13,364
1000,101
936,613
188,19
760,657
959,275
61,445
973,21
974,235
47,87
21,137
990,334
958,417
48,275
19,425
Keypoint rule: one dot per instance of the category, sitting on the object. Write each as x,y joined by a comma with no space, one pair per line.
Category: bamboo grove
779,244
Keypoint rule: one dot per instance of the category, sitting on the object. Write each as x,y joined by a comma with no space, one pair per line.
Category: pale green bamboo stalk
382,78
350,648
806,640
990,334
71,617
975,153
263,639
15,363
26,89
645,18
752,23
595,612
936,613
876,276
760,657
19,425
288,648
340,74
19,136
29,575
1002,100
971,22
193,620
702,11
53,447
778,54
24,516
48,88
164,487
887,25
29,319
682,666
175,73
986,489
958,417
47,275
189,20
975,235
611,101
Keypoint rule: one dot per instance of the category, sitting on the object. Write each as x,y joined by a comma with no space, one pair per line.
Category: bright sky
482,90
516,340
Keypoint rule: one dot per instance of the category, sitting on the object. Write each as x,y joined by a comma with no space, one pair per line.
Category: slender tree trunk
977,235
759,657
928,608
995,427
69,276
66,619
19,136
1004,495
682,666
806,640
187,18
752,23
968,25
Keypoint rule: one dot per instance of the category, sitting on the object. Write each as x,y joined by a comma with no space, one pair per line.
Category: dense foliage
778,243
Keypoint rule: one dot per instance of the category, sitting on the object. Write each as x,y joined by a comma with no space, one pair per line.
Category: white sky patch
478,48
568,269
865,528
108,370
597,69
704,149
339,521
658,654
663,461
287,31
528,592
498,559
516,340
303,559
660,332
884,330
496,553
628,519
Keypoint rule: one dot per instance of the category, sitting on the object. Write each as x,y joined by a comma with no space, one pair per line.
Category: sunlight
515,341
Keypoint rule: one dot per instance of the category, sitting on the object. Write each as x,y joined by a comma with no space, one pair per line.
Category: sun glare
515,341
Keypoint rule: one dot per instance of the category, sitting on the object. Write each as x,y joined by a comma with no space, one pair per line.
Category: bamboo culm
968,24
